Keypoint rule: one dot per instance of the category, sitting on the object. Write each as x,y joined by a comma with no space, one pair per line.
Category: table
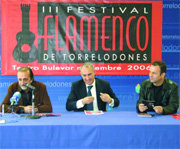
77,130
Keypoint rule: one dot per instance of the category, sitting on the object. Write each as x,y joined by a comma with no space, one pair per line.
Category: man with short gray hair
90,93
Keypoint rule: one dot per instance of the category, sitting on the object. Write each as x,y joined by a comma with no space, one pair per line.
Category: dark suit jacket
78,91
42,101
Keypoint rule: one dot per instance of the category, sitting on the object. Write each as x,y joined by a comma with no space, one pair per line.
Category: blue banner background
124,86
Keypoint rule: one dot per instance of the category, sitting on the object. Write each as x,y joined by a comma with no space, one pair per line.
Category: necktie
89,106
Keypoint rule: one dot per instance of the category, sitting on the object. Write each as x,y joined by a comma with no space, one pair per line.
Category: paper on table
93,112
145,115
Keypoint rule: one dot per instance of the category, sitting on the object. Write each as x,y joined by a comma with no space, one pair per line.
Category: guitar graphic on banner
25,50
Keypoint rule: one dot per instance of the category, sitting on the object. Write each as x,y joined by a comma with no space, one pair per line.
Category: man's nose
87,78
23,82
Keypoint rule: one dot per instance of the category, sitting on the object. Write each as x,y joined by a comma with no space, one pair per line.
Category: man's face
154,74
23,78
88,75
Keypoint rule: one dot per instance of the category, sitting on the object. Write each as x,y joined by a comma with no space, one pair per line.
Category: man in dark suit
90,93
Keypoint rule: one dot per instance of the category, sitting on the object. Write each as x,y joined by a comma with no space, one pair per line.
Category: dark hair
25,69
161,64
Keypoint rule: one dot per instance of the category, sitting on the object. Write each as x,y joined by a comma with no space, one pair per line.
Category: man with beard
158,93
42,102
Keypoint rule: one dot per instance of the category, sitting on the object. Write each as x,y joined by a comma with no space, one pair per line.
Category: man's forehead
155,68
23,74
86,73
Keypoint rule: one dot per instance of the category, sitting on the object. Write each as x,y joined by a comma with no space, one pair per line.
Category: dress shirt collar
93,84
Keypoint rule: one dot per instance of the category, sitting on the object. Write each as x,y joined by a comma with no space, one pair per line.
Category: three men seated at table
157,93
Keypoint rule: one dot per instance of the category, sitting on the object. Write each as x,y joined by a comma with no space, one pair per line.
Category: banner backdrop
55,37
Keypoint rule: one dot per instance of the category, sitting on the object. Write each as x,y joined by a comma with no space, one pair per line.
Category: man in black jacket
158,93
100,93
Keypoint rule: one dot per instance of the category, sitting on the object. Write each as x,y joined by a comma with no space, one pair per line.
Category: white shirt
79,103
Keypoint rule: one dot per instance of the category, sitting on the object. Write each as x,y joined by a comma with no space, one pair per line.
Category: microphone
15,98
30,86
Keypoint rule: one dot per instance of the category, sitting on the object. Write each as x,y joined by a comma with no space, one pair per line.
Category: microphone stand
12,108
33,112
33,116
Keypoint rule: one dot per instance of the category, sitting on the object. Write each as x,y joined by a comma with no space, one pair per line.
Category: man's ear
163,74
94,72
31,81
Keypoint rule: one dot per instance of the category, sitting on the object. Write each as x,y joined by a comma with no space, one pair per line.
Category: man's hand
28,109
87,100
158,109
105,97
142,107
